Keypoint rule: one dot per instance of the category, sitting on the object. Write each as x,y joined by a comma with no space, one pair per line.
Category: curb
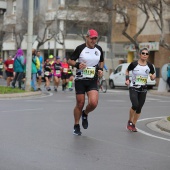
24,94
155,92
164,125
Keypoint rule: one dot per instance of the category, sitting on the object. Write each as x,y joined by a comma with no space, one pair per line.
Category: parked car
117,77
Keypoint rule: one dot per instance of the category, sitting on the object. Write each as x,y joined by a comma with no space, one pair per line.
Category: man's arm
101,65
76,64
71,62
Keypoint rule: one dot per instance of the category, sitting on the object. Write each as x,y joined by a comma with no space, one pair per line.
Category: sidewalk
24,94
155,92
162,124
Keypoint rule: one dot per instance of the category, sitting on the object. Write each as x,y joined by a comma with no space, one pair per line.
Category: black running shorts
83,86
9,74
64,76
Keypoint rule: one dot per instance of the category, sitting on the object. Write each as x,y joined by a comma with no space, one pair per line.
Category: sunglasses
144,53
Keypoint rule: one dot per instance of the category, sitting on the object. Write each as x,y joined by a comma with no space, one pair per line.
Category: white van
117,78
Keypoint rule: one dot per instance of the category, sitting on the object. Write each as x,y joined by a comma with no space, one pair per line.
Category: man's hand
100,73
82,66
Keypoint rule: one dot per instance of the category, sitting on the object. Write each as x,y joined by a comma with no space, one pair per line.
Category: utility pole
56,19
29,46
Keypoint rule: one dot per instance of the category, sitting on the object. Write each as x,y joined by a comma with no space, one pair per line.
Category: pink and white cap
92,33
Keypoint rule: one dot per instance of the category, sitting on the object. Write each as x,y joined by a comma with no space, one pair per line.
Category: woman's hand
152,76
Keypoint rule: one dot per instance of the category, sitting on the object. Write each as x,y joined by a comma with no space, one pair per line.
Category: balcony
9,19
76,15
3,4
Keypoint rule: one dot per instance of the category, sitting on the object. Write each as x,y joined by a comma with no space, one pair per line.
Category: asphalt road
36,134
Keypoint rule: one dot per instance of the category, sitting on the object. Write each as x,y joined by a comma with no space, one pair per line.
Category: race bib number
47,73
140,80
1,66
89,72
57,72
65,70
10,66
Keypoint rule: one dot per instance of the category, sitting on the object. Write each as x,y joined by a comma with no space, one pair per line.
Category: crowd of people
53,70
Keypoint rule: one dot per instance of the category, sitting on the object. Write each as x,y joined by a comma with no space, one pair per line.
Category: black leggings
18,77
168,81
137,99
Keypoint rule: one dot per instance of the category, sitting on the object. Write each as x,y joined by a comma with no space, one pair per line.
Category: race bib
140,80
65,70
1,66
10,66
57,71
89,72
47,73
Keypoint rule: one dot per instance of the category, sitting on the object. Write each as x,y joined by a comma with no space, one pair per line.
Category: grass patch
8,90
168,118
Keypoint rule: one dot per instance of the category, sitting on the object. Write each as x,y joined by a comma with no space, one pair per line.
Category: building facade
63,23
150,37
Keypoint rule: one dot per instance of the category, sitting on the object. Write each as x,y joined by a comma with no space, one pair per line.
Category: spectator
1,67
8,65
40,70
35,68
168,76
18,68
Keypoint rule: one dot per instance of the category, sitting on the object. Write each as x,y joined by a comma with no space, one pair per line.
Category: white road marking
148,134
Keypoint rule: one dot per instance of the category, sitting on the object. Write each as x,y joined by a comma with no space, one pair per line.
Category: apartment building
2,11
125,51
67,23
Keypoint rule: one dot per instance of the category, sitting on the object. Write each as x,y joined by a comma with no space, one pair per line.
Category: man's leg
80,98
93,96
92,104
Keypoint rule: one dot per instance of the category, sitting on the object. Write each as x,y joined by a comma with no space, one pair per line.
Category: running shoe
76,130
129,125
55,89
48,88
39,89
84,120
13,85
134,128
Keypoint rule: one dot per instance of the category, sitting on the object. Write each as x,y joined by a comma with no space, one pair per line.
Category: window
118,70
72,2
14,7
119,17
49,4
13,34
36,4
49,33
153,15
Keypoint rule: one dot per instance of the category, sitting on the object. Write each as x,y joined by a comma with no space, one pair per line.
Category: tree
127,11
158,9
41,28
